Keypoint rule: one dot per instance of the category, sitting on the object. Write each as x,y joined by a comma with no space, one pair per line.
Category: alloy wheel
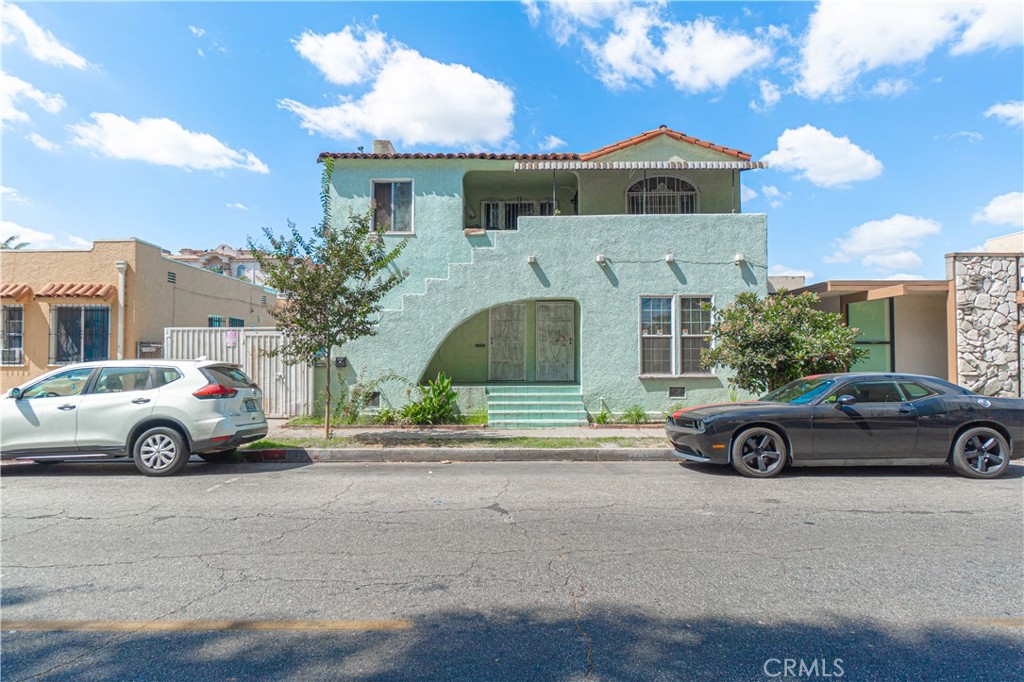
983,452
158,451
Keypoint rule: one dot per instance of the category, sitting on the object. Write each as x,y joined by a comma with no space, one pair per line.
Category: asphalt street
509,571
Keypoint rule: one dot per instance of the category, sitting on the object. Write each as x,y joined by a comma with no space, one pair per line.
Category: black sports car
855,419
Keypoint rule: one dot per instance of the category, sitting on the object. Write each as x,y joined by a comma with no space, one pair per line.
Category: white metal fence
287,389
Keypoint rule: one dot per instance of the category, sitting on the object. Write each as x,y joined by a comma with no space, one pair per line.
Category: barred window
236,322
663,194
12,335
504,215
215,321
79,333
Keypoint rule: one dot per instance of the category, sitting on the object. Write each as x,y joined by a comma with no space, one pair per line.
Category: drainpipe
122,267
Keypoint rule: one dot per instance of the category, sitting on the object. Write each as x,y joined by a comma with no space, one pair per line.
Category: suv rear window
232,377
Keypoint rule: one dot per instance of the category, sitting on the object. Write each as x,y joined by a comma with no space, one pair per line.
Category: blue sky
894,131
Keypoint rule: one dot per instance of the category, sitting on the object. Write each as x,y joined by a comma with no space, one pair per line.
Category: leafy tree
332,284
771,341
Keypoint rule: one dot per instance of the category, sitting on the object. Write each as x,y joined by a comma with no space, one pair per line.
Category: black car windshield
800,392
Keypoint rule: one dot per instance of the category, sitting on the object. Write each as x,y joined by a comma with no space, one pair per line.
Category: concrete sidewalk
406,444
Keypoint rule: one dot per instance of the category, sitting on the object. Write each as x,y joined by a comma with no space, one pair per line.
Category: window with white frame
661,195
79,333
694,333
392,205
673,332
12,335
504,215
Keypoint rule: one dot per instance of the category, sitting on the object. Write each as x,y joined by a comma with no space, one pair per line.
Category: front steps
534,406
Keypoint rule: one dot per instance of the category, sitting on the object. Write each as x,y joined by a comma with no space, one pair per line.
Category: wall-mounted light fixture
600,259
669,258
739,259
340,362
531,259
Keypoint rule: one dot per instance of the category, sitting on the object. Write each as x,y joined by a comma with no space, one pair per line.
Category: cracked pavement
517,571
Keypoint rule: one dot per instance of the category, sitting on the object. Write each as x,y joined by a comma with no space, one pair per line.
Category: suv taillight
212,391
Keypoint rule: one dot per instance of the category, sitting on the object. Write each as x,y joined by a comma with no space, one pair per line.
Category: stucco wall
150,302
565,249
919,336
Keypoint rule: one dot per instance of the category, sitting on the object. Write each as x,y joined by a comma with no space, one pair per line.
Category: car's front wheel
160,451
981,452
759,452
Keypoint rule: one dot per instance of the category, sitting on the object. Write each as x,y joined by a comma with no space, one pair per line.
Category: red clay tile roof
15,291
663,130
77,290
566,156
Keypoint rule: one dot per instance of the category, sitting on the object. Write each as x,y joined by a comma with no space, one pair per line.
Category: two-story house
549,285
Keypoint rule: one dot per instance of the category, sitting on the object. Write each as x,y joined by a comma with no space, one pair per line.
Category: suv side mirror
844,400
14,393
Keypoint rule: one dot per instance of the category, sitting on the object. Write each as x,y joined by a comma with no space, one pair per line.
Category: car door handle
906,410
66,407
141,401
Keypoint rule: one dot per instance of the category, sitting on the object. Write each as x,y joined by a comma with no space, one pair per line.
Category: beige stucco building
111,301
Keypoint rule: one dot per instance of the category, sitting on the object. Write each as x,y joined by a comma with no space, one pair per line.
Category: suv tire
160,451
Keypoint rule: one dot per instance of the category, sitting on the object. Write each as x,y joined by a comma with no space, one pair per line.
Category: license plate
251,406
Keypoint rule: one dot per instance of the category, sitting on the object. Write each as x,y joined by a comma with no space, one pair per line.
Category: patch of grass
477,418
635,414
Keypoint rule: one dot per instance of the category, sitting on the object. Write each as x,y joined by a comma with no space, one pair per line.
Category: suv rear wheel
160,451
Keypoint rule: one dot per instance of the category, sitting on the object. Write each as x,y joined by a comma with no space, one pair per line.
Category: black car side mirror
844,400
14,393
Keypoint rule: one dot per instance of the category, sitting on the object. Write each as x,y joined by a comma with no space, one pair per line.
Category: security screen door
507,347
556,346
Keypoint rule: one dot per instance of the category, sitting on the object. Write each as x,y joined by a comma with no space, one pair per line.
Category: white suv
158,412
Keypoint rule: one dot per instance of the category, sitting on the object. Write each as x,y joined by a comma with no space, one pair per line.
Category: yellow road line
201,625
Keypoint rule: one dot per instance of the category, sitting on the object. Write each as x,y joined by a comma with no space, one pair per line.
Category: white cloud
971,136
11,195
40,240
14,91
770,96
898,260
885,244
747,193
160,141
551,142
41,44
890,87
785,271
1005,209
42,143
197,31
347,57
774,195
416,100
903,275
637,44
237,206
823,158
1010,113
847,39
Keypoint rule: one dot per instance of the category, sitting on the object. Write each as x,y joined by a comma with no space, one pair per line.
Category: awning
77,290
637,165
18,292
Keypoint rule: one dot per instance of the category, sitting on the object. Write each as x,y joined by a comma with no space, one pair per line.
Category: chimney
384,147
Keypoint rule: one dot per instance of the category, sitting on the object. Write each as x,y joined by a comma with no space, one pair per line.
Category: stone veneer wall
988,347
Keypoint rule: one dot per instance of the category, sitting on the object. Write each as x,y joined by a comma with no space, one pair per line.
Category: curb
443,454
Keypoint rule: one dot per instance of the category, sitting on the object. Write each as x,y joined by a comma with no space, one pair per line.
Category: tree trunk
327,405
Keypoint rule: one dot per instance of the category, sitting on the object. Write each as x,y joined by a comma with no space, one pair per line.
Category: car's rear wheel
160,451
759,452
981,452
222,456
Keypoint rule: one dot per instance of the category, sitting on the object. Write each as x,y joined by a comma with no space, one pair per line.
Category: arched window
661,194
240,271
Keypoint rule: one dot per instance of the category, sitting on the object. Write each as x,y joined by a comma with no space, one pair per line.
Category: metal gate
287,389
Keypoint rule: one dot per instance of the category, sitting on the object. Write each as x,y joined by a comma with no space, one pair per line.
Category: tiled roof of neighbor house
565,156
15,291
77,290
663,130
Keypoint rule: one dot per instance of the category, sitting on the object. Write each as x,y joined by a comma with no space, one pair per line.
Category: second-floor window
504,215
662,194
215,321
392,205
236,322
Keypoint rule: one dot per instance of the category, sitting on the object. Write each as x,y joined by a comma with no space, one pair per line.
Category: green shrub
602,417
386,415
436,404
635,414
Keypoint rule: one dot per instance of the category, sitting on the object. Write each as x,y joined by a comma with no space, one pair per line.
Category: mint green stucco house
550,285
